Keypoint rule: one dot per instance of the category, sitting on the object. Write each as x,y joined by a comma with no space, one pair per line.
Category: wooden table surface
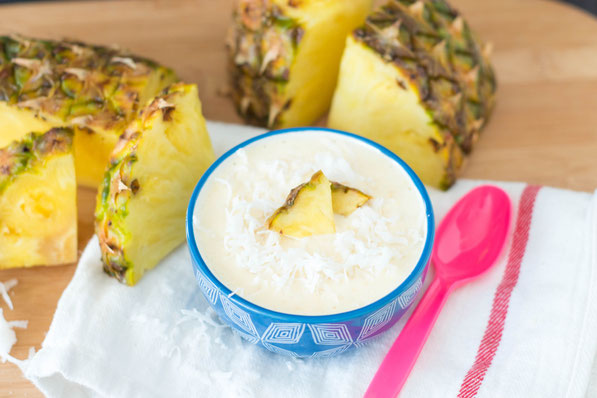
544,129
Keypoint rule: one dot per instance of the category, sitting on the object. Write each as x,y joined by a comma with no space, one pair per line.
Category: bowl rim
416,272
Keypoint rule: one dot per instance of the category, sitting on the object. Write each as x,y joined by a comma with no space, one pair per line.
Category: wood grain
543,130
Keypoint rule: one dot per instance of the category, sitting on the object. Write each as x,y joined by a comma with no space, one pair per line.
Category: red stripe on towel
499,309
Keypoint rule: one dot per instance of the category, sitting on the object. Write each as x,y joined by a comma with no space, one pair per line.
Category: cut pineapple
149,180
38,207
95,90
307,211
345,199
415,79
284,57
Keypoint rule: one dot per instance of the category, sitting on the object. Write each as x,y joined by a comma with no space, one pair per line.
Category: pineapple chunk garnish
284,57
142,202
416,79
38,200
95,90
345,199
307,210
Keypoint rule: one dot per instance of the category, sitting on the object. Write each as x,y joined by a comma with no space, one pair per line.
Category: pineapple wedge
307,211
95,90
284,57
38,206
345,199
148,182
415,79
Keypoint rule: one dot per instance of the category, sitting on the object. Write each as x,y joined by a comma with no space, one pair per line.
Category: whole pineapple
416,79
38,207
152,171
95,90
284,57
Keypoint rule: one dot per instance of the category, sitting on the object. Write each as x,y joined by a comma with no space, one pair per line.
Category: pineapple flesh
284,57
94,90
38,207
416,79
346,200
149,180
307,210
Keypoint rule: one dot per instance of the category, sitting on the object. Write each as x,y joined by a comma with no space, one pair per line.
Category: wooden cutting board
544,129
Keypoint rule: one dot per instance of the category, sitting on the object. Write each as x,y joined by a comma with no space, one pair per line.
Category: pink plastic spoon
469,240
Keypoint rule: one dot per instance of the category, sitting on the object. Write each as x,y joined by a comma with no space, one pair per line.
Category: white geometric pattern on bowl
283,333
238,316
209,290
408,296
292,334
330,333
247,337
377,320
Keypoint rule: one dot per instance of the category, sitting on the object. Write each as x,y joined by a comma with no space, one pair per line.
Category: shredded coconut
365,240
8,337
5,288
250,185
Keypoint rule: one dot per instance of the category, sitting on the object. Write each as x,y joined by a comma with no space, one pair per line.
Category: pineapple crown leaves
24,155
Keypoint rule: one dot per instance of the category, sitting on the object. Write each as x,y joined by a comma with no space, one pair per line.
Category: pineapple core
310,207
38,205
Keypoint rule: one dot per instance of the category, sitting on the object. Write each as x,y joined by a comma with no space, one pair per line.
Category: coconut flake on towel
8,337
5,288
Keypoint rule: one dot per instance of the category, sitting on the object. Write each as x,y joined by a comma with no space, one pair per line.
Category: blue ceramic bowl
300,335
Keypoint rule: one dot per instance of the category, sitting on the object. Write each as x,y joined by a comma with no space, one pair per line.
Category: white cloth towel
160,339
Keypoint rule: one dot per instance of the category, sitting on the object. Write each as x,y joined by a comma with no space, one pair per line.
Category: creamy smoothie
373,250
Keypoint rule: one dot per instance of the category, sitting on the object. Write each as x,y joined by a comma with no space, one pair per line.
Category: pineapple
38,206
345,199
148,182
307,211
416,79
284,57
95,90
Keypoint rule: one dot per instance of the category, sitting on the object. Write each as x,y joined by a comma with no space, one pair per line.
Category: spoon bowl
471,236
468,242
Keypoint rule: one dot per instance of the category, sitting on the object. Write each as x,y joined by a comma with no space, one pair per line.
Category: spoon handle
401,357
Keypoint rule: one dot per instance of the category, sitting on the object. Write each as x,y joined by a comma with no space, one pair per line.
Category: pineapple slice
95,90
345,199
307,211
148,182
38,206
415,79
284,57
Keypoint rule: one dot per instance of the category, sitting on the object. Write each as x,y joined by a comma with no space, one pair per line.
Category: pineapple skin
95,90
416,79
152,171
38,208
284,57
